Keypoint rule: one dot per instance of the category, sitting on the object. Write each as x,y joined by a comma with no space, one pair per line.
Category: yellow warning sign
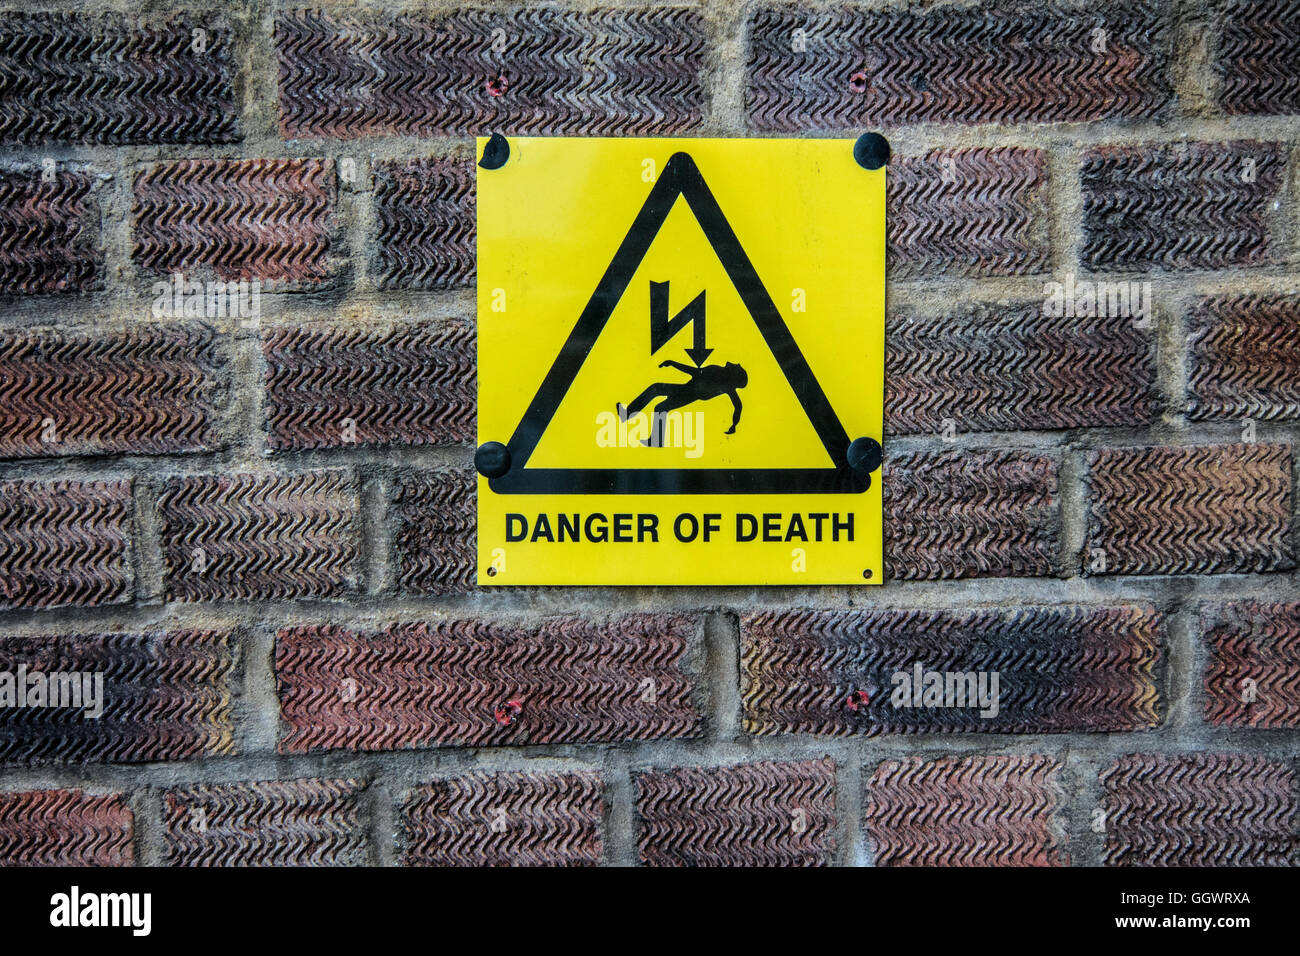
680,361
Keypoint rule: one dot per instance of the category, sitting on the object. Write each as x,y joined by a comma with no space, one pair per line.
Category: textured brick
991,368
485,683
1255,60
1059,669
65,543
166,696
265,219
506,819
1243,357
65,828
148,389
425,228
71,78
1199,809
760,814
251,536
437,532
1179,205
606,72
401,385
966,811
49,233
267,823
1249,641
1207,509
974,212
970,514
986,63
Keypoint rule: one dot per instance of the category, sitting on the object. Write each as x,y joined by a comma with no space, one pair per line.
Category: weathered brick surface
266,823
1252,677
539,71
1200,809
1243,357
985,63
259,536
483,683
970,514
993,368
65,828
1180,205
975,212
1255,59
165,696
402,385
1208,509
966,811
506,819
49,232
111,79
1080,669
265,219
437,532
424,224
760,814
147,389
65,543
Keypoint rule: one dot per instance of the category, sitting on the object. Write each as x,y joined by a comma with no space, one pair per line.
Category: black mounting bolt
492,459
871,151
495,153
864,455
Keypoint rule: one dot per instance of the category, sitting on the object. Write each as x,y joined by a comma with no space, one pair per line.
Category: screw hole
867,574
491,572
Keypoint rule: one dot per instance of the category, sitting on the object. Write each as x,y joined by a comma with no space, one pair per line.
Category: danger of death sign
680,361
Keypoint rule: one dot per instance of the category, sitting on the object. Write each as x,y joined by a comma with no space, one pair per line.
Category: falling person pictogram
704,383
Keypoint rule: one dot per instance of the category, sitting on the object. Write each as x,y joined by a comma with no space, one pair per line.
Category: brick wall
261,532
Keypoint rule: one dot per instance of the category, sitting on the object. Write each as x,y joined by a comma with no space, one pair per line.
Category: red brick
995,368
1199,809
1209,509
398,385
437,532
968,514
264,219
506,819
65,543
1060,669
1249,641
72,78
166,696
65,828
1256,56
967,811
425,224
49,232
478,683
761,814
974,212
984,63
145,390
266,823
1244,357
260,536
605,72
1180,205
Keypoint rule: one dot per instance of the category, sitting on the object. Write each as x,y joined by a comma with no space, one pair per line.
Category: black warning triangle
682,178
